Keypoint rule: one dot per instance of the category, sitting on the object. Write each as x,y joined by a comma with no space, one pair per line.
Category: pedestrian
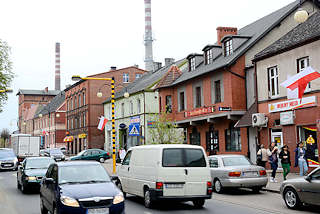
285,160
122,153
301,159
262,156
273,152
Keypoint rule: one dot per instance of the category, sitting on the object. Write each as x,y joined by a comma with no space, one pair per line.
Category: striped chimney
148,37
57,68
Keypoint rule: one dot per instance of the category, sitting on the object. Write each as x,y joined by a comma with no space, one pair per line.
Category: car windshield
38,163
7,154
81,153
236,161
55,152
75,174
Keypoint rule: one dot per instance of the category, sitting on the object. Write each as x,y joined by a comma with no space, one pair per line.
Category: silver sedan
236,171
301,190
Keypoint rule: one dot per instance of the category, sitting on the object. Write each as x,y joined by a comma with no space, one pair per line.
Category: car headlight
31,178
118,199
71,202
15,160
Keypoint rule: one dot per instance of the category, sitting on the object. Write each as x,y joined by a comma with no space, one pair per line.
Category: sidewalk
271,187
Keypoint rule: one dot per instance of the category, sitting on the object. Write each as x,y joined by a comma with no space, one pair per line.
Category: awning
246,119
68,139
310,128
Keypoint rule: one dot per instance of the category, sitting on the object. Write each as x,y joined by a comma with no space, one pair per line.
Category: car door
311,189
124,172
44,188
52,187
86,155
95,155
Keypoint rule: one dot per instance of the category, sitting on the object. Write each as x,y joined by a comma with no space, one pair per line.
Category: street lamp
302,14
77,78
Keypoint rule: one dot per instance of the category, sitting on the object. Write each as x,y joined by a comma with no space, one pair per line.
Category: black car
80,187
8,160
31,171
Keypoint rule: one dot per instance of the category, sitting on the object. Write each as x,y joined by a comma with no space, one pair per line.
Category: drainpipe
144,117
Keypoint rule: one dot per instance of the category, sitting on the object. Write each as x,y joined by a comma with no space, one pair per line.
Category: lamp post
77,78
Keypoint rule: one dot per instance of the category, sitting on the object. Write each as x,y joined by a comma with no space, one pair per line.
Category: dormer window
192,64
208,56
228,47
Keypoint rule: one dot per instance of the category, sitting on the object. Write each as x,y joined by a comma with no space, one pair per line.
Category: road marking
14,174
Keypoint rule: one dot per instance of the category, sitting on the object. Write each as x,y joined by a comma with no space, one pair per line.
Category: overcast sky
97,34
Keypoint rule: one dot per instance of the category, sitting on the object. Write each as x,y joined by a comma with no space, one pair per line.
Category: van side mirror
118,160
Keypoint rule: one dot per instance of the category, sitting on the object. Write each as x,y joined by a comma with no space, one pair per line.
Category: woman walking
285,160
301,159
273,152
263,156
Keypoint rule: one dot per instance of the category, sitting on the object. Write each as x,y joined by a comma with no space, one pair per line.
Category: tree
165,131
5,134
6,74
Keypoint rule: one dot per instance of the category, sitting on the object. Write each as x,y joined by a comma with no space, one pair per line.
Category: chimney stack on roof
223,31
57,68
157,65
168,61
113,68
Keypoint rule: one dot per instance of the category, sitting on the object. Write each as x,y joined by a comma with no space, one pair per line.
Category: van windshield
180,157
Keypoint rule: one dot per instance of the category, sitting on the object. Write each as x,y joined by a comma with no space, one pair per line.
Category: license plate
58,159
250,173
98,211
7,165
173,186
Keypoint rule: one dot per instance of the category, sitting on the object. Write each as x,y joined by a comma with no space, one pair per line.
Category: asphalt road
12,201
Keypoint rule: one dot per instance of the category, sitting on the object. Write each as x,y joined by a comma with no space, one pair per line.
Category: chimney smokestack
57,68
113,68
223,31
148,36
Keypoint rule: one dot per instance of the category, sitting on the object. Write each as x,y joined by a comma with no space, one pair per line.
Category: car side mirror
308,178
49,181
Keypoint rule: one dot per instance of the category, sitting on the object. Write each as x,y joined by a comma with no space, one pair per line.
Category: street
12,201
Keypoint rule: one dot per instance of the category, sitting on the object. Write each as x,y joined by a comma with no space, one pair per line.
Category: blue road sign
134,129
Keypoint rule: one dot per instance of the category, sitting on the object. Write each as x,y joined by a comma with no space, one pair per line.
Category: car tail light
262,172
159,185
234,174
209,188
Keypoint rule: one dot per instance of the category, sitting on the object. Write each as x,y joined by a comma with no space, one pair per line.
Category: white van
167,171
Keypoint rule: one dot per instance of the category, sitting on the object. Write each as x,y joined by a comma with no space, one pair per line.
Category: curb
271,190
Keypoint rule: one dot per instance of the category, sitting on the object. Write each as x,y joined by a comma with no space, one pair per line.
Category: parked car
43,153
82,187
236,171
172,172
92,154
64,150
56,154
301,190
31,171
8,159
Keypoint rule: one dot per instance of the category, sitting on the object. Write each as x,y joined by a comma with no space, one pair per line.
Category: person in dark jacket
285,160
273,152
301,159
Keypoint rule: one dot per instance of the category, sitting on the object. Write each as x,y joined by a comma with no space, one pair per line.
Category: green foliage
6,74
5,134
165,131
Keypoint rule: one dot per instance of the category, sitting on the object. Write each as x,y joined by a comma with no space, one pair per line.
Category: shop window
212,141
273,86
195,137
168,104
233,139
301,65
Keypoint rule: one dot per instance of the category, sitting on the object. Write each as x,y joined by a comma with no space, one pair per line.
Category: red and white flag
102,123
298,83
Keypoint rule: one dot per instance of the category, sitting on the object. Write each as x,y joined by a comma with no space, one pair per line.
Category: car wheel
291,198
198,203
217,186
23,188
148,202
256,189
101,160
42,208
120,187
18,184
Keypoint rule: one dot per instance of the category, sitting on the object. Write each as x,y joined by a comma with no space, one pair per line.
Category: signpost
134,127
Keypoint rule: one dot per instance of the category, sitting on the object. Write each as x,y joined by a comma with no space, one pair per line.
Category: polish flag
102,123
298,83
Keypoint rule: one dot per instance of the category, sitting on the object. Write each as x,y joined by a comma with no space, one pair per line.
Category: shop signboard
292,104
286,118
199,111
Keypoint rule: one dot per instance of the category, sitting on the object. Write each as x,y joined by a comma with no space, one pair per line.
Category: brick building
84,107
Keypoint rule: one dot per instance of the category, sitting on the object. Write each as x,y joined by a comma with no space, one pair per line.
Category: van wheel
198,203
217,186
148,202
120,187
101,160
291,198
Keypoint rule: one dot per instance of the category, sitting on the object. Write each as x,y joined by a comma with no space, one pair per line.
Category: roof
242,42
54,104
145,81
38,92
173,73
246,119
307,31
31,112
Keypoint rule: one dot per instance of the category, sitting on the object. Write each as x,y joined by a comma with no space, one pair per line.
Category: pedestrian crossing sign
134,129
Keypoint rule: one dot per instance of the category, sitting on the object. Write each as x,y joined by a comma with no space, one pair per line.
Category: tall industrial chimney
148,37
57,68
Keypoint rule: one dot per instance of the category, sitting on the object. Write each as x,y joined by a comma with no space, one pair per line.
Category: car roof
77,163
164,146
226,155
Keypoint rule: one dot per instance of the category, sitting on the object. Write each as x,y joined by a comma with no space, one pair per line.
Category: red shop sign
199,111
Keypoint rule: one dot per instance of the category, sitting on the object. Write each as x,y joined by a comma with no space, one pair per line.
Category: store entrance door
276,136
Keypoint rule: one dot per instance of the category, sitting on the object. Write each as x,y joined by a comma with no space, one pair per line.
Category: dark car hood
78,191
35,172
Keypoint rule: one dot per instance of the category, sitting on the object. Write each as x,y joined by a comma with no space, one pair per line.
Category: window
131,107
198,97
75,102
228,47
126,160
139,106
273,82
213,163
80,122
71,103
122,109
302,64
209,56
79,100
68,124
217,91
183,158
125,77
138,76
181,100
84,119
168,104
192,64
236,161
71,123
233,139
172,158
84,98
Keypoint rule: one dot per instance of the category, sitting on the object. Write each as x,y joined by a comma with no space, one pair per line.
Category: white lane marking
14,174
